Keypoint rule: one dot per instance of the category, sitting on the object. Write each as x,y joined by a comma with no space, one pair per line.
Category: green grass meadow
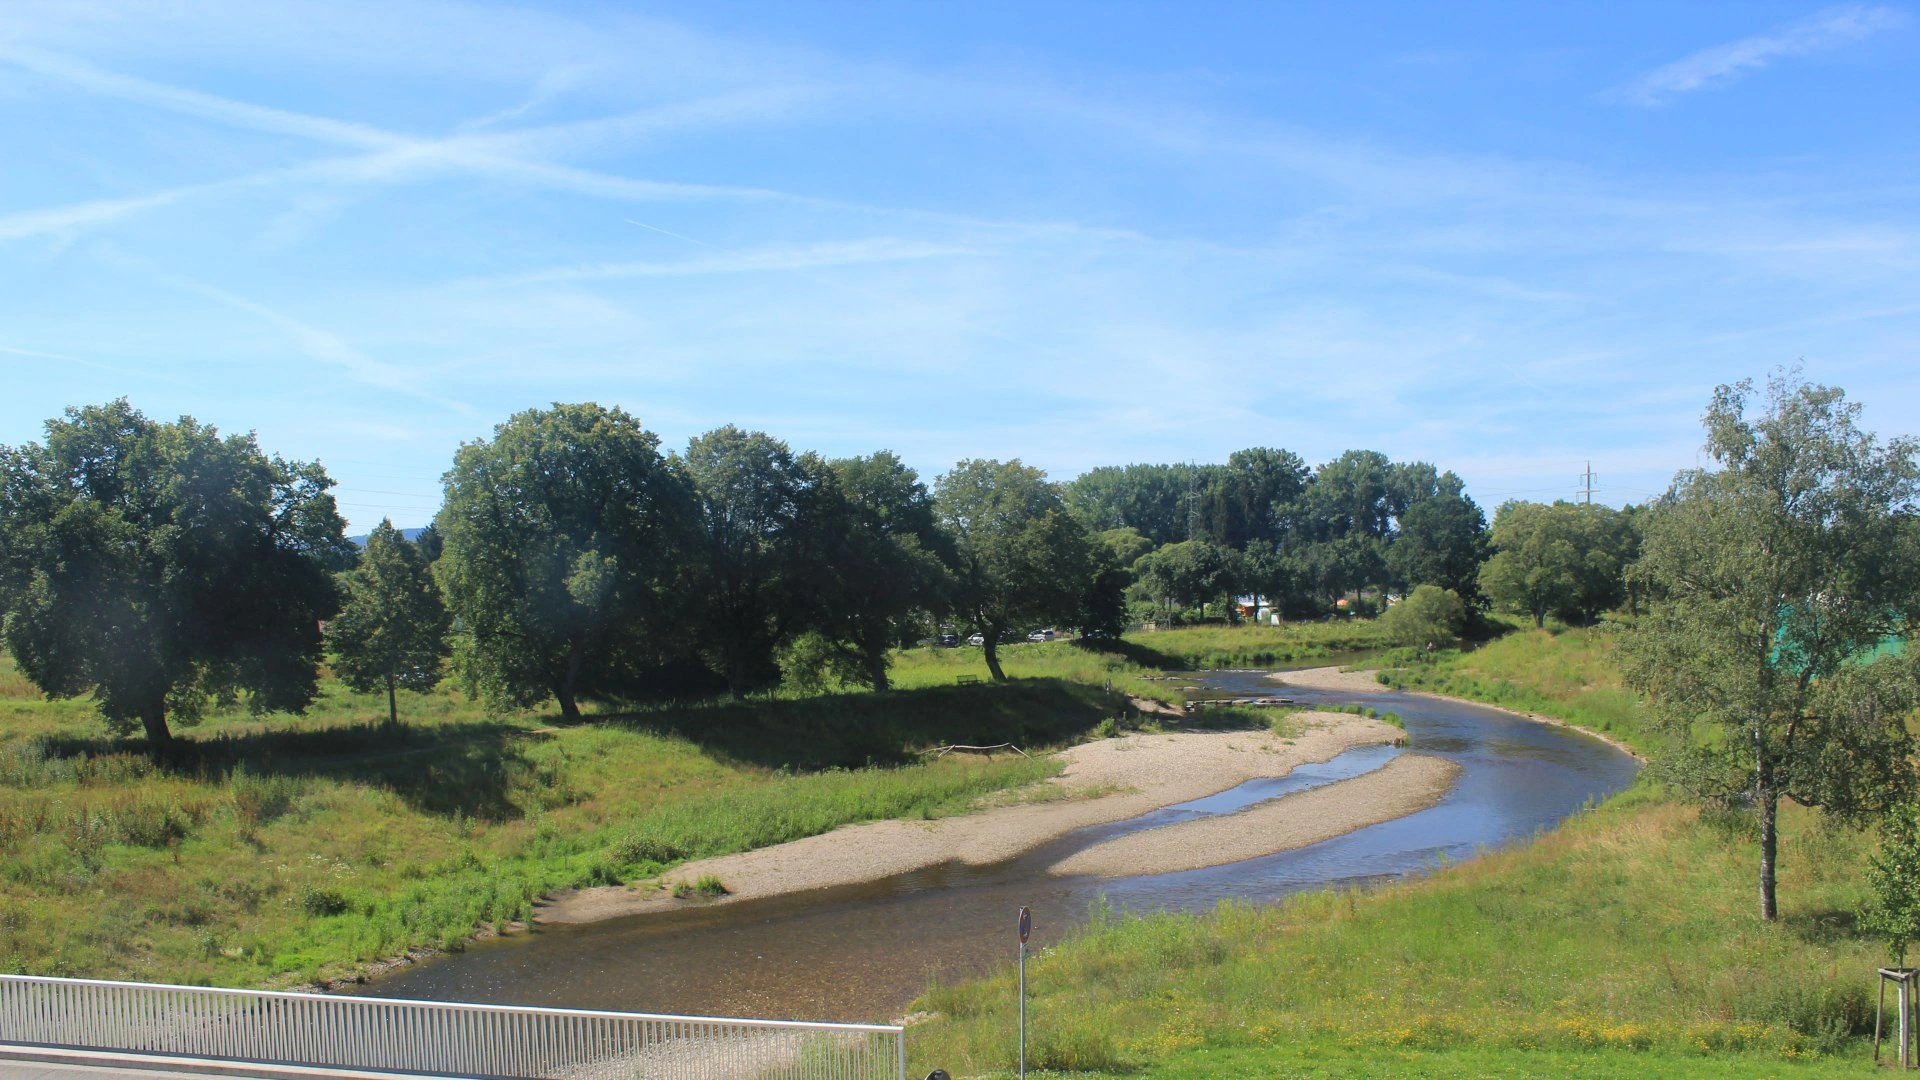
282,850
1623,944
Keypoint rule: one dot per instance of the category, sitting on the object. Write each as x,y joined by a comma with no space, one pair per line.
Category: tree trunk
1539,617
1769,849
990,644
877,669
564,692
1768,798
393,707
154,719
737,676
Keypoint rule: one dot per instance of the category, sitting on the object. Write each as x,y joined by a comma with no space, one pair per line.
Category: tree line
163,567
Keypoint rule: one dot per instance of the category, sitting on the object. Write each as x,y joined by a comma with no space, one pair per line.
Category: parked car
977,639
1041,635
948,641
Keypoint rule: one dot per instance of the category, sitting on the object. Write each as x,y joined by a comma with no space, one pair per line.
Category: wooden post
1905,1004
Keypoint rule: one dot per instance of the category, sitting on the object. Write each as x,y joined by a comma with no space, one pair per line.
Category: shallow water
863,952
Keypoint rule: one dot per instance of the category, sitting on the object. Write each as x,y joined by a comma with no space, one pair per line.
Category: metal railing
437,1038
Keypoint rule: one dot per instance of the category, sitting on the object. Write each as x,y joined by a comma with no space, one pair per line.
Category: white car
1041,635
977,639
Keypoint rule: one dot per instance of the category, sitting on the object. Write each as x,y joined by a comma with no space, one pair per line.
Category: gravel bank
1331,678
1408,783
1145,772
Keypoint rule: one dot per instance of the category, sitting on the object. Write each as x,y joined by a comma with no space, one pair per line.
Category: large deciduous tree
159,565
1442,540
1559,559
558,537
1776,574
762,549
1022,558
1190,573
391,633
887,561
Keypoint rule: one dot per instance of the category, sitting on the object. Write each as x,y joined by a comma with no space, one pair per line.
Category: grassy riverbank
1622,944
1133,664
1569,675
281,849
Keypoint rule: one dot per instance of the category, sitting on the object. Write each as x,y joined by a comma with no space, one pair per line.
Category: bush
322,902
641,848
1432,616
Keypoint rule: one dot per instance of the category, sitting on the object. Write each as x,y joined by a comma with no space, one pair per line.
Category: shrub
1431,616
644,848
258,800
321,902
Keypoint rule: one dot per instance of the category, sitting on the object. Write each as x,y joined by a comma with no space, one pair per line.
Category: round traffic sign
1026,924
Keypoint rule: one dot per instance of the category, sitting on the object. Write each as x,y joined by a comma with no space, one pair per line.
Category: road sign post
1026,928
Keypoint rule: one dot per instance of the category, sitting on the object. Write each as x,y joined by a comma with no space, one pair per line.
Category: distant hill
411,534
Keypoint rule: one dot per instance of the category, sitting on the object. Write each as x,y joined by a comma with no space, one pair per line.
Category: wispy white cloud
1720,64
195,103
548,87
311,341
762,260
64,358
75,216
523,155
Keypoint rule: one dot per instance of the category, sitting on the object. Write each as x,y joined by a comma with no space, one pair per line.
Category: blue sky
1507,239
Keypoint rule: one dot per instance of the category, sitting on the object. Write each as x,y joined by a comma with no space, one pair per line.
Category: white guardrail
436,1038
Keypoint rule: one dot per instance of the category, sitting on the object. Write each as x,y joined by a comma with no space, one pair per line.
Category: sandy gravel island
1402,786
1146,772
1331,678
1363,682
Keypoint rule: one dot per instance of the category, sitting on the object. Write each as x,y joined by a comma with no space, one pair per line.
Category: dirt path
1408,783
1145,772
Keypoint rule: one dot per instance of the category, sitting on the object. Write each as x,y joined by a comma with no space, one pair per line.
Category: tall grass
1570,675
1136,663
790,807
1626,930
276,850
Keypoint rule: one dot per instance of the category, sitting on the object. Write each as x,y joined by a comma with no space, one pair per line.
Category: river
861,953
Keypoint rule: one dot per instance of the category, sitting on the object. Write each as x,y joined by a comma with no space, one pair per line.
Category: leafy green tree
1777,572
1164,503
1441,540
1430,616
1124,545
1022,559
1893,873
1344,524
392,628
1103,606
887,561
159,566
1190,573
1268,573
1559,559
1252,496
1352,495
1535,564
559,538
764,532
